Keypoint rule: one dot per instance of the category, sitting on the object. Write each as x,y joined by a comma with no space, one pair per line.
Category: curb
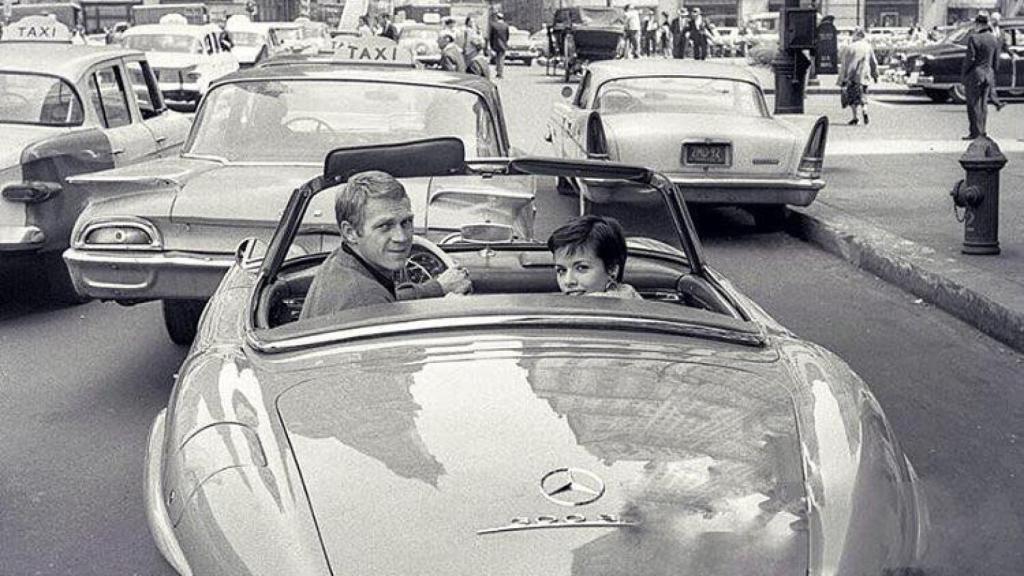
991,304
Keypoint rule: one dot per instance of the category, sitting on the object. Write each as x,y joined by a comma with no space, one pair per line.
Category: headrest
418,158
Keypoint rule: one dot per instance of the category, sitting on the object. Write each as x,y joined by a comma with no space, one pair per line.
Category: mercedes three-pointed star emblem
571,487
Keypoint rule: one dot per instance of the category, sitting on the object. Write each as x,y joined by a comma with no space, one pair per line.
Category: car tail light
814,152
31,192
134,234
597,142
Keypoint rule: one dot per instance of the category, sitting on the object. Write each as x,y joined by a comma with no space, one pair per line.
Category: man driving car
375,219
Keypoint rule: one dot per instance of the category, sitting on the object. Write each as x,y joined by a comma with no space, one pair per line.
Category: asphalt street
80,385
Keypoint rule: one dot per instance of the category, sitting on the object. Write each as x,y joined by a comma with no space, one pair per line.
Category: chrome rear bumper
792,191
140,276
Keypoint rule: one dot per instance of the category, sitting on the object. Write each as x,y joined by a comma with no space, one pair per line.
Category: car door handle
117,151
159,139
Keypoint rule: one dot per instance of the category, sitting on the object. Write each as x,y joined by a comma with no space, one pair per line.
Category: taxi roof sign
37,29
375,50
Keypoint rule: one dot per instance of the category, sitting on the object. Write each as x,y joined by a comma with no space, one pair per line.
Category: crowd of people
650,34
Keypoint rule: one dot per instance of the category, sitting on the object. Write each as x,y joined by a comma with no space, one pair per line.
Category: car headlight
135,234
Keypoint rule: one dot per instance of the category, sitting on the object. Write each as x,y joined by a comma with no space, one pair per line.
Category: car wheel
770,217
958,94
528,62
181,318
59,287
939,96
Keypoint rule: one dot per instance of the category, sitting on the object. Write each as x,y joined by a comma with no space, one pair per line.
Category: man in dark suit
698,31
979,74
499,43
678,28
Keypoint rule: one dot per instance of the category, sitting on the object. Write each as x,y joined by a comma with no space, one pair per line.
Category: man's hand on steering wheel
455,280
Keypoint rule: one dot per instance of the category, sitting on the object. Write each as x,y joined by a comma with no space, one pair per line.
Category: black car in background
936,68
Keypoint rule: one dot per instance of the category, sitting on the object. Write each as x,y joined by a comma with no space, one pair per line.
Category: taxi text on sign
37,29
373,50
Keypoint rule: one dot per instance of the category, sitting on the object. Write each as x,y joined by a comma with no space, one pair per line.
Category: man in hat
979,74
699,31
451,54
678,28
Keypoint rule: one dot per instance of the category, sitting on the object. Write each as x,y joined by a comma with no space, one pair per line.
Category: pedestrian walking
388,28
499,43
1004,48
476,60
857,67
632,31
665,36
651,26
364,27
451,54
979,74
679,26
699,31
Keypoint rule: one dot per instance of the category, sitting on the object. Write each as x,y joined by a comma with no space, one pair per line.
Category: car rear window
680,94
38,99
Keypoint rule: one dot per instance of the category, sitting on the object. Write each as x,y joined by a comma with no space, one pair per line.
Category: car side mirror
567,92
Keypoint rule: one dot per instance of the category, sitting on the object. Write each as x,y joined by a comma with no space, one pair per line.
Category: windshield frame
276,254
497,120
758,90
66,81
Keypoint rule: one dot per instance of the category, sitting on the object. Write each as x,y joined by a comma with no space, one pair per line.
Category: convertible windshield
38,99
164,43
680,94
300,121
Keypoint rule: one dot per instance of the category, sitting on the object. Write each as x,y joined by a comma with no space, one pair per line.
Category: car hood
760,146
406,454
247,54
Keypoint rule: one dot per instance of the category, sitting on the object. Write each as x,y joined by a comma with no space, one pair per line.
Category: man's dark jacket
499,36
982,58
347,281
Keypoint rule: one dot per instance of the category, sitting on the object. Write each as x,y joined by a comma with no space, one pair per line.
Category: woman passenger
590,258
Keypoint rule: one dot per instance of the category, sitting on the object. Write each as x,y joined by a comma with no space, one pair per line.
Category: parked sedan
519,430
68,109
258,134
705,125
520,49
421,41
936,68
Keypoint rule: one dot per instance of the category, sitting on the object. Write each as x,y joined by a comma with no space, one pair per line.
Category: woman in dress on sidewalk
857,67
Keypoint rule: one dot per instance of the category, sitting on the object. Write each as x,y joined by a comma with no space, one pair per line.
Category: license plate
707,154
913,78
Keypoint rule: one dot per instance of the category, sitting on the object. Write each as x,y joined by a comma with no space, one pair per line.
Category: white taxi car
66,110
186,57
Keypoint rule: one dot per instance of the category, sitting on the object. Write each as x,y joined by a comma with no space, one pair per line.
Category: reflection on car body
705,125
257,135
64,110
697,434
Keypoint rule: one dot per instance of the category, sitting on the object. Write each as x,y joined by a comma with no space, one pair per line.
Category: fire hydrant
978,195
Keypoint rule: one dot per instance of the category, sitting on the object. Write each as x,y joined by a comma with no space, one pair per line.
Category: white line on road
875,147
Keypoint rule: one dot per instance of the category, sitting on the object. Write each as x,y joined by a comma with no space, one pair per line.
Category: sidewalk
905,232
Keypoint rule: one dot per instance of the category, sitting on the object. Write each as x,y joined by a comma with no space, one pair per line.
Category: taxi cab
68,109
185,57
258,134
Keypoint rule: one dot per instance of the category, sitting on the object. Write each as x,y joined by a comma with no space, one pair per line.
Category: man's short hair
350,201
602,234
981,18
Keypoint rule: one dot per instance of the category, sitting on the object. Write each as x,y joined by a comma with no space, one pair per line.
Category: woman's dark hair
602,234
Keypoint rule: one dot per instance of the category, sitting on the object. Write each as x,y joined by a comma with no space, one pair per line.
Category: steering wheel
627,102
427,261
320,125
